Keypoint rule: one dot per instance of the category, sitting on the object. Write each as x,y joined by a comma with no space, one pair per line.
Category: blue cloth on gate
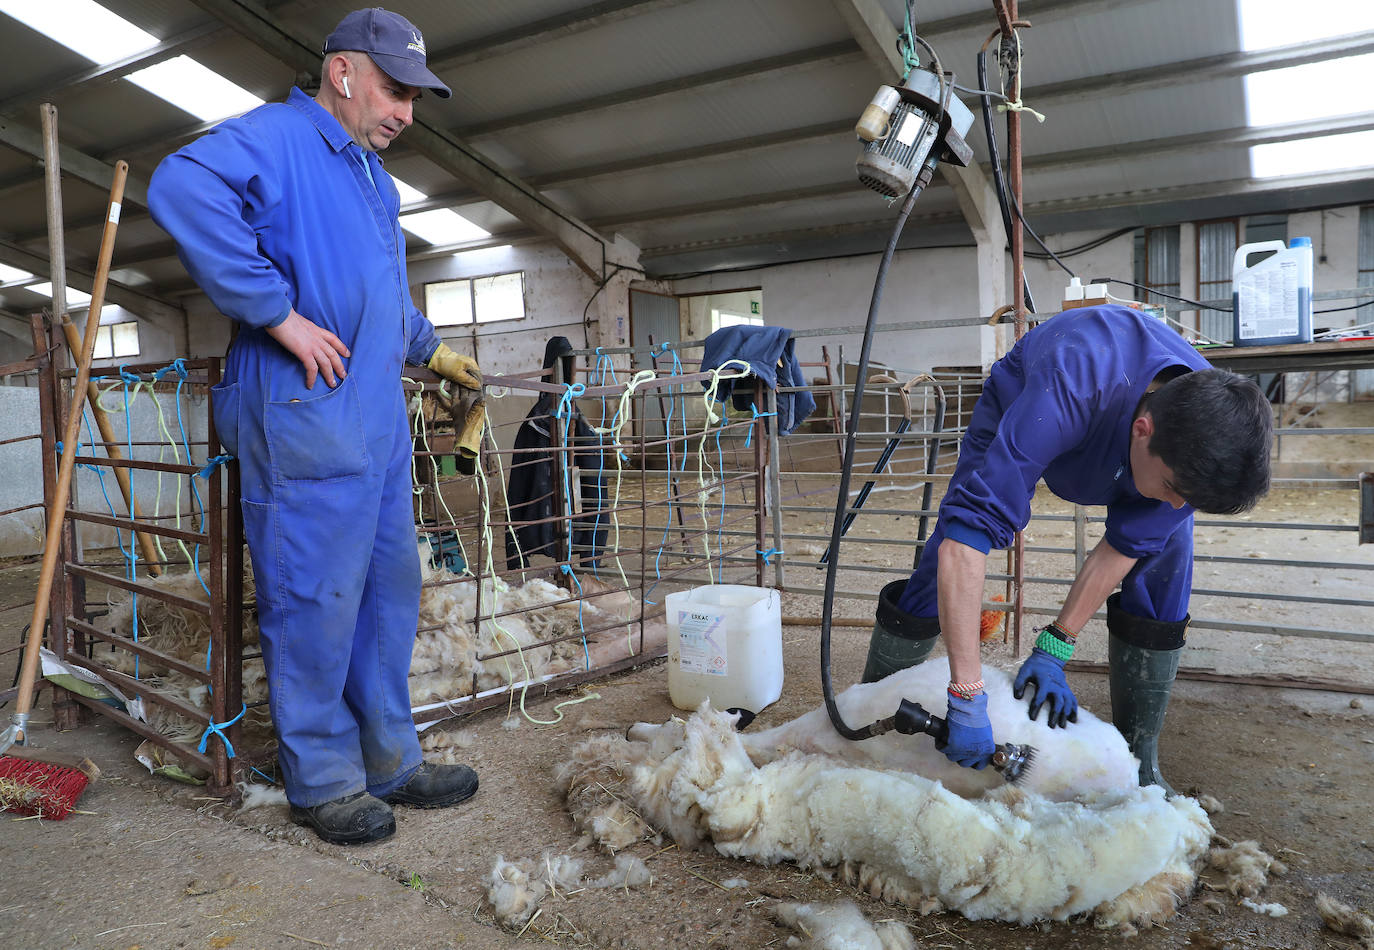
1059,406
771,355
280,209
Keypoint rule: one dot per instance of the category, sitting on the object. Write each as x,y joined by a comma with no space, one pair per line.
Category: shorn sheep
895,818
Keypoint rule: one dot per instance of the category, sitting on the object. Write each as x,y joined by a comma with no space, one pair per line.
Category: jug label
1268,301
701,638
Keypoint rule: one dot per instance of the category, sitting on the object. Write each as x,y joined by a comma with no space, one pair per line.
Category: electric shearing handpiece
1012,760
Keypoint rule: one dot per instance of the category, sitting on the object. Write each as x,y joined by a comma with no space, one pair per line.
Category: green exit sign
753,306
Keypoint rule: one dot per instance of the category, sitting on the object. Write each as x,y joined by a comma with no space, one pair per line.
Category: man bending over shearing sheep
1110,407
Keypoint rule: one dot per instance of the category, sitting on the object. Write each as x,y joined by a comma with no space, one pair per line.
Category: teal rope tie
567,569
217,729
753,407
769,554
213,464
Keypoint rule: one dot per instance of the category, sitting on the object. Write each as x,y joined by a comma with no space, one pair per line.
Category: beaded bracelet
1056,644
966,690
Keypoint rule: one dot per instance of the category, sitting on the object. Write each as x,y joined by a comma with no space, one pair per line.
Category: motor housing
890,162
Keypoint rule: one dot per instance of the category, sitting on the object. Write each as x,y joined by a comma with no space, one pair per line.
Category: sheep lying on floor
1089,756
801,794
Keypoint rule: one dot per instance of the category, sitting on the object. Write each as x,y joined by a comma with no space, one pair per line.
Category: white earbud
347,94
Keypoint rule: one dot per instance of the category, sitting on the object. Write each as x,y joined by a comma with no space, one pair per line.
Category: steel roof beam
157,311
167,49
88,168
829,53
1187,71
546,30
583,246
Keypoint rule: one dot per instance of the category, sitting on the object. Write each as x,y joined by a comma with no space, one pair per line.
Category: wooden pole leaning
52,171
57,506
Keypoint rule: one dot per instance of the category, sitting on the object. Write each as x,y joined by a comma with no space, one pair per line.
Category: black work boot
353,819
899,639
435,786
1142,655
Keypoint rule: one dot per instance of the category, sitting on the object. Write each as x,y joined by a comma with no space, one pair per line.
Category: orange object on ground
990,621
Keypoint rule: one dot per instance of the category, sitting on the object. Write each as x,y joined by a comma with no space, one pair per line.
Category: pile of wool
1246,865
445,657
1076,837
1344,919
184,634
841,926
516,889
442,665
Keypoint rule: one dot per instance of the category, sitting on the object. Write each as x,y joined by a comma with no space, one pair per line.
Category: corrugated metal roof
694,128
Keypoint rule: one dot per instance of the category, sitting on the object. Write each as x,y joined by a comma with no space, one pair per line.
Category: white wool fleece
1122,852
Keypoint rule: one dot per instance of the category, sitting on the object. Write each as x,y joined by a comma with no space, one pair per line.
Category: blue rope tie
567,569
217,729
753,407
769,554
571,392
213,464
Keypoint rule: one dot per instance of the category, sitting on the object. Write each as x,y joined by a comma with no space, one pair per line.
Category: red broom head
36,788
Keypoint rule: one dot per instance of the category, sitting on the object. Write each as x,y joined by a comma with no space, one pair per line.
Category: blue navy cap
393,42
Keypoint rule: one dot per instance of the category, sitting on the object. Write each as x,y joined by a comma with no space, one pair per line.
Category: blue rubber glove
1051,689
970,733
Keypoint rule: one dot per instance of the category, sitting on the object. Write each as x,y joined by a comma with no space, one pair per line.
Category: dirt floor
152,864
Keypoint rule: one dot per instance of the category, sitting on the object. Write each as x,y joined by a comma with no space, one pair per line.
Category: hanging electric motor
907,130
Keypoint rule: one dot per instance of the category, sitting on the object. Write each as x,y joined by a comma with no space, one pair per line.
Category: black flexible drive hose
846,468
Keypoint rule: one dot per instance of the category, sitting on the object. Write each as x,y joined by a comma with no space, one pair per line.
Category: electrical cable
586,336
999,183
1196,303
852,430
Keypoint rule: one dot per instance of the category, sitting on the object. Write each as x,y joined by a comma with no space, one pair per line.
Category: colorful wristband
1052,644
966,690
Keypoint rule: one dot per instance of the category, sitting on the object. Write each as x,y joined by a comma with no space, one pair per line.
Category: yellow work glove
470,429
456,368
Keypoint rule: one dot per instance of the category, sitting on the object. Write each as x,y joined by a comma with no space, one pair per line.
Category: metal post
775,482
226,649
1006,17
1080,536
760,484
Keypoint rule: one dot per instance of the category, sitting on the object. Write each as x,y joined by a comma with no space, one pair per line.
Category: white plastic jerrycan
725,645
1272,301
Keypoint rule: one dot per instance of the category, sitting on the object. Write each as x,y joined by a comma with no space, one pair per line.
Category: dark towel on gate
770,353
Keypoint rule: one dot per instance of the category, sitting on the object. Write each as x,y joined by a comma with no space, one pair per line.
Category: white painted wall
921,285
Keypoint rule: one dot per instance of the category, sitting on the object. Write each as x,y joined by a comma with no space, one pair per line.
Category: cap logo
416,43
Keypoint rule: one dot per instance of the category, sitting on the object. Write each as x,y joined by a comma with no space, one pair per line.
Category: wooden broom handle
58,507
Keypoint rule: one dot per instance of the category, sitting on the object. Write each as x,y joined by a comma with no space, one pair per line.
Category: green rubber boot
1142,655
899,639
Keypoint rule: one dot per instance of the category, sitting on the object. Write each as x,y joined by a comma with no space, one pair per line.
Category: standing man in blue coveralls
287,221
1110,407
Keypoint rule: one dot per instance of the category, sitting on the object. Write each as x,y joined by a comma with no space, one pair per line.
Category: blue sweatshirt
1059,406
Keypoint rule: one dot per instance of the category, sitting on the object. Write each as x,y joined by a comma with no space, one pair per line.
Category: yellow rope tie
1017,105
622,417
703,493
420,431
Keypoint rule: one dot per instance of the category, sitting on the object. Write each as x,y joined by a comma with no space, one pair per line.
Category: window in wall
1216,250
723,318
452,303
114,340
1157,263
1365,274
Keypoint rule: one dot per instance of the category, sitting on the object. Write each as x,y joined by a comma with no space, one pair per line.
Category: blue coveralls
274,210
1060,406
